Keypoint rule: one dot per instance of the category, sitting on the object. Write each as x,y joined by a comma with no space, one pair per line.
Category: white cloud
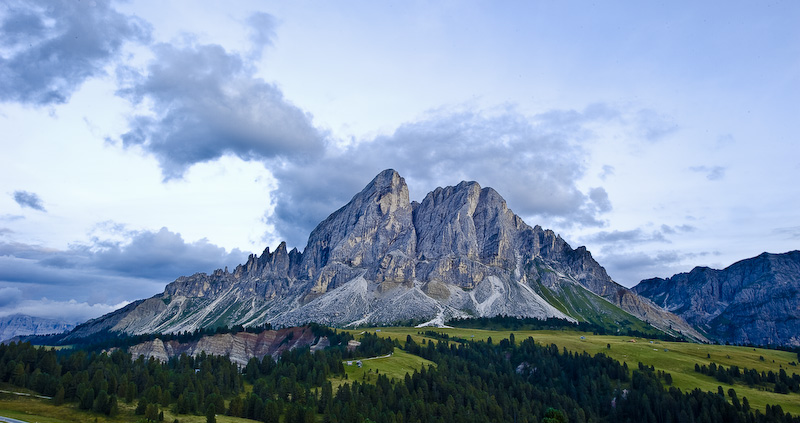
70,311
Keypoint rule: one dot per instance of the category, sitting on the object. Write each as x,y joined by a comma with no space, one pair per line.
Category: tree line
780,382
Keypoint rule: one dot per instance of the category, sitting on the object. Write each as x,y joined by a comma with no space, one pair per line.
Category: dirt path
22,394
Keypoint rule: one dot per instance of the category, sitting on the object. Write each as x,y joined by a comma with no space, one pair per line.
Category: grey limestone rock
382,259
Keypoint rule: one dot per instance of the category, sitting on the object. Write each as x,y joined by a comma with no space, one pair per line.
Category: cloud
791,232
677,229
262,32
9,296
714,173
634,236
600,198
108,271
533,161
607,171
631,267
653,126
28,199
163,255
70,311
51,48
206,102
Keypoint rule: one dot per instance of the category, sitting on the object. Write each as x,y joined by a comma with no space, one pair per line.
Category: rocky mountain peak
374,223
382,259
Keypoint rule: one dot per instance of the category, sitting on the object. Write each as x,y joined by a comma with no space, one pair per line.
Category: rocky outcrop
21,324
753,301
239,347
383,259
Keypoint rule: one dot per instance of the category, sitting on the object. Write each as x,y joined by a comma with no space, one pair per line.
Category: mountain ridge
753,301
381,258
22,324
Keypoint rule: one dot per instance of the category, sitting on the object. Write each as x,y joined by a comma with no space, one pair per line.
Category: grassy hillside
395,366
43,411
676,358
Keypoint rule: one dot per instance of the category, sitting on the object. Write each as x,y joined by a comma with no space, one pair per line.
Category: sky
145,140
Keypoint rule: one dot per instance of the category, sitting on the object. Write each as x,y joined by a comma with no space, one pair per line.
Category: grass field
395,367
676,358
43,411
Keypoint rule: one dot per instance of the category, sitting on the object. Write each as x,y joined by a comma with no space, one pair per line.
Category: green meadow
676,358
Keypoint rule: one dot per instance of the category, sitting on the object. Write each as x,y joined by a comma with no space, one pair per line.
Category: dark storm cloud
207,103
713,173
28,199
534,162
53,47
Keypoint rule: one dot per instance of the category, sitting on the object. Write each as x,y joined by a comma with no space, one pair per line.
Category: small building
349,362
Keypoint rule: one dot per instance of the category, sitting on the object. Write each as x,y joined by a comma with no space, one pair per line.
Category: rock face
239,347
20,324
383,259
753,301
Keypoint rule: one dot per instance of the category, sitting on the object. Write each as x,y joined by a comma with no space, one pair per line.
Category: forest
514,381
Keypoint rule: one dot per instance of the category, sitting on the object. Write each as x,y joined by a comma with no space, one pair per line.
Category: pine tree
211,416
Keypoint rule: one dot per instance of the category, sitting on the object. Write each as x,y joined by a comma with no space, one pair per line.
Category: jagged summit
382,259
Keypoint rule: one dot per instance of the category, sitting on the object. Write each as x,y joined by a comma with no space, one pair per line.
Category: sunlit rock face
380,258
754,301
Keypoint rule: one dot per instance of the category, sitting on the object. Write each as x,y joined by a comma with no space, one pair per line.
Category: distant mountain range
383,259
20,324
753,301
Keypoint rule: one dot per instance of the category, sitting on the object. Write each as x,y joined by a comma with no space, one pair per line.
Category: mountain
384,259
753,301
21,324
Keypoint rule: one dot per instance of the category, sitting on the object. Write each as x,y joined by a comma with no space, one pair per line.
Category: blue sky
146,140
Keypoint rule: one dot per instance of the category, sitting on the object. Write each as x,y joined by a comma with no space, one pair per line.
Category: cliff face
382,259
240,347
753,301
